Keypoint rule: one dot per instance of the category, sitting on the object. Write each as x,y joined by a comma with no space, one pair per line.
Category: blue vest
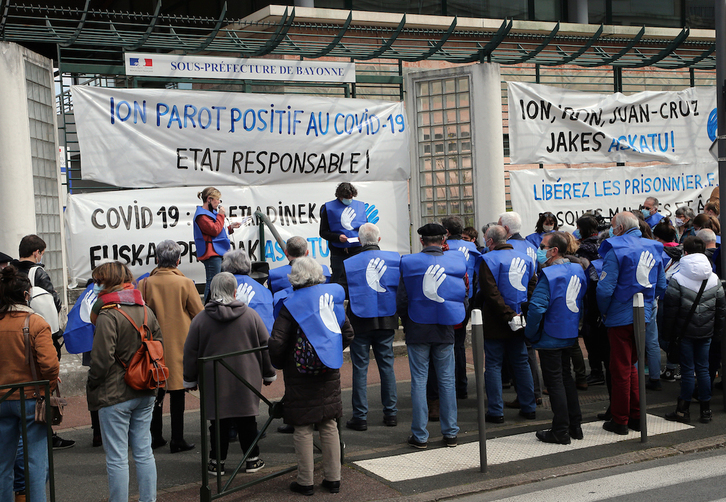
654,219
448,309
627,249
278,277
261,301
364,291
335,209
454,246
598,266
220,242
499,262
525,247
560,321
304,305
536,238
278,299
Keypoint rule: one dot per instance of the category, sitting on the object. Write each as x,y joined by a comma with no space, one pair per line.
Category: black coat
309,399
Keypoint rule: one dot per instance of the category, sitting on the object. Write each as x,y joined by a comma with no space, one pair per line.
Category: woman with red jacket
210,235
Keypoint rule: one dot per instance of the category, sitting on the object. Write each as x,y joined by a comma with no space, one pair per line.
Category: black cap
5,258
431,229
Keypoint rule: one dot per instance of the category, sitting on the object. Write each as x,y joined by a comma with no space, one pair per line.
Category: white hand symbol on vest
245,293
532,254
433,278
374,271
327,314
516,274
646,263
573,289
346,219
87,305
465,251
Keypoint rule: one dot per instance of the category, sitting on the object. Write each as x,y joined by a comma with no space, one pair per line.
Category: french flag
141,62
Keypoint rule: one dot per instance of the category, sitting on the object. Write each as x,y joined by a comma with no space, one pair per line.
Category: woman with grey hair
227,325
175,301
307,343
249,291
683,222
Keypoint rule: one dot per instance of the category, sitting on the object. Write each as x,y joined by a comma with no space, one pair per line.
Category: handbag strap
29,359
141,332
695,303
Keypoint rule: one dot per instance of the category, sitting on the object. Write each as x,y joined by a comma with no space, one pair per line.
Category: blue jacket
620,312
541,302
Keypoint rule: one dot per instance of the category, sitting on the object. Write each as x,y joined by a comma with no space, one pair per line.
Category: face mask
646,213
610,231
679,222
548,228
97,288
577,235
542,256
346,201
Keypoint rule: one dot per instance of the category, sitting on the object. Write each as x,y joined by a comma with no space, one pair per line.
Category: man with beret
430,301
4,260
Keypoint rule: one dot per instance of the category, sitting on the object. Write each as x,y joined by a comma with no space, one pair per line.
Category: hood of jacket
225,312
696,267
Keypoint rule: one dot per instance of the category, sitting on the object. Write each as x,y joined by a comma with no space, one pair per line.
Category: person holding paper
211,237
340,220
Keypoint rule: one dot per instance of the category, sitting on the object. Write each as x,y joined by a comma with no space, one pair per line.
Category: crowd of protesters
539,294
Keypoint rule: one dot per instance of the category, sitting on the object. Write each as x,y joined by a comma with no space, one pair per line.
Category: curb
706,444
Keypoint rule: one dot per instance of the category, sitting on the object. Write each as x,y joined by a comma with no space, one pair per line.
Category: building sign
140,138
552,125
181,66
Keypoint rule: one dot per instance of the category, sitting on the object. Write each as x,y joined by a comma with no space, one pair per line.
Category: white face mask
679,222
548,228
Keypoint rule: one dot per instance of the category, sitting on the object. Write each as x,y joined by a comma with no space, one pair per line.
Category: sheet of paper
353,239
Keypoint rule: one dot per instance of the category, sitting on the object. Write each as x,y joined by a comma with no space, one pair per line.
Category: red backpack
146,369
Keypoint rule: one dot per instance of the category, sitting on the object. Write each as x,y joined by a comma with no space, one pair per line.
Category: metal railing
275,411
20,387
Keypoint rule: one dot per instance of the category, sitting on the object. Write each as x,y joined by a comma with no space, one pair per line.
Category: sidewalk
80,471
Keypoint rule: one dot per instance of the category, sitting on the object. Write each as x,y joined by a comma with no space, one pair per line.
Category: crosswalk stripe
443,460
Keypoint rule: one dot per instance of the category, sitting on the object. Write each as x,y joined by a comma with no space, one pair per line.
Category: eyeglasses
542,246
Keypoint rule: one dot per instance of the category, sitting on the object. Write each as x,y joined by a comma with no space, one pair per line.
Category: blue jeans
381,341
516,351
37,443
123,425
652,347
212,266
694,358
442,357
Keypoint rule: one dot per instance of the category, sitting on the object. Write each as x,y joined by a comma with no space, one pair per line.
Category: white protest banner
140,138
551,125
127,225
182,66
568,193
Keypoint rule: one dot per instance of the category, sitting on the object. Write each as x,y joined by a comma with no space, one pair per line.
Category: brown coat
12,355
116,336
308,399
175,301
222,329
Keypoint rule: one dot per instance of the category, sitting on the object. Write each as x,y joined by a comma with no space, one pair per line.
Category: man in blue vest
340,220
455,240
373,277
631,265
553,318
295,247
512,222
506,279
650,212
431,299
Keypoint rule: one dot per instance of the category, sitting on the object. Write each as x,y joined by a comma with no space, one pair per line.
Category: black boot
682,413
705,412
157,440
